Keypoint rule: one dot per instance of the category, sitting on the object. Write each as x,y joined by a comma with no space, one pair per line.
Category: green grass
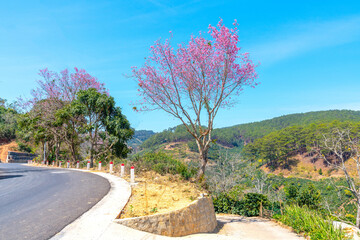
311,223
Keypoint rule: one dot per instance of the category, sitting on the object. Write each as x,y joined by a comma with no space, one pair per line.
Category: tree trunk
73,152
203,154
57,151
358,215
91,160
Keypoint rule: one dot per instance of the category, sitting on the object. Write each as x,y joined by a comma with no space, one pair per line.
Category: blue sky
309,50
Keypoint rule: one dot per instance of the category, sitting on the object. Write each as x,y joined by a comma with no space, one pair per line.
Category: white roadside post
99,165
77,164
68,164
132,175
111,167
122,172
88,165
47,163
53,163
59,163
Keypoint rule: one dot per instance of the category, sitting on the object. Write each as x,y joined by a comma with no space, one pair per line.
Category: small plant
154,210
320,171
131,210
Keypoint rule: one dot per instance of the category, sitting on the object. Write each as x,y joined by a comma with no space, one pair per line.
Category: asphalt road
36,203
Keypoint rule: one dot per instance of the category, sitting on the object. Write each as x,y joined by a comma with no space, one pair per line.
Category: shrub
163,164
248,206
193,146
23,147
307,195
310,196
223,203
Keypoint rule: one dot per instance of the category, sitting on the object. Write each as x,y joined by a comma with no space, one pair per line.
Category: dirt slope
5,148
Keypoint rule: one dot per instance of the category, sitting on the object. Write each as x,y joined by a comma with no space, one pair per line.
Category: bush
307,195
23,147
310,222
223,203
193,146
251,204
163,164
248,206
310,196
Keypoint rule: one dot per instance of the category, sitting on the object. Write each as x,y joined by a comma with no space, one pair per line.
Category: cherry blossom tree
194,81
54,92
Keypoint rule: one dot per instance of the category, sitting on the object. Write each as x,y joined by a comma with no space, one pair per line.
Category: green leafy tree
8,124
105,127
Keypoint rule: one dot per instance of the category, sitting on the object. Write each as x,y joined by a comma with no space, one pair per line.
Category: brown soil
154,193
13,146
305,167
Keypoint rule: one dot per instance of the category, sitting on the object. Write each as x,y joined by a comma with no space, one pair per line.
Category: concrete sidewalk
98,223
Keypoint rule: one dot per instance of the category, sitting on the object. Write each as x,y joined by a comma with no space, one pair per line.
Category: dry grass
154,193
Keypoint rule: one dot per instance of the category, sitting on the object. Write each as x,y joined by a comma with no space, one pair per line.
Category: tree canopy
193,82
71,111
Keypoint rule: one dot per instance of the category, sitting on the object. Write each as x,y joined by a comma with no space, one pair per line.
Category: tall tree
193,82
340,147
106,128
55,91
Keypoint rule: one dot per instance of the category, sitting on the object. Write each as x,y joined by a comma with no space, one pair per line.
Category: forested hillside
237,135
278,148
139,137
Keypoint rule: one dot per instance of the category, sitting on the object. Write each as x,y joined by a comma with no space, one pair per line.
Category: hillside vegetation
8,123
278,148
139,137
237,135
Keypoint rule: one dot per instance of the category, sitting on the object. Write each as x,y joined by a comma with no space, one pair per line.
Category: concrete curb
99,222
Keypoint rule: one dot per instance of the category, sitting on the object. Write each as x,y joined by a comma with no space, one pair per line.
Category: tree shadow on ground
9,176
222,220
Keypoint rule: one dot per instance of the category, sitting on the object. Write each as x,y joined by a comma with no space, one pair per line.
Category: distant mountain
237,135
139,137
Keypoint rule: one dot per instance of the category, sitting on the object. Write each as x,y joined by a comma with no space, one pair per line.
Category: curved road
36,203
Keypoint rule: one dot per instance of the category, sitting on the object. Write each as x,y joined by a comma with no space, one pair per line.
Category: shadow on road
223,220
11,170
9,176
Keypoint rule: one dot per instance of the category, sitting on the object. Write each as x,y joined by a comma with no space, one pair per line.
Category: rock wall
197,217
19,157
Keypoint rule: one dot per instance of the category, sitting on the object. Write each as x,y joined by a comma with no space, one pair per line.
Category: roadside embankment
197,217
